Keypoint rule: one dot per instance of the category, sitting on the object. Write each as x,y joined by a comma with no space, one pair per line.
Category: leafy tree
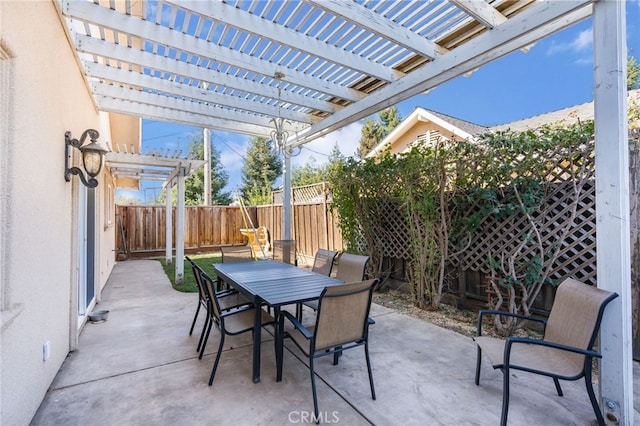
259,173
312,172
194,185
374,131
633,74
308,174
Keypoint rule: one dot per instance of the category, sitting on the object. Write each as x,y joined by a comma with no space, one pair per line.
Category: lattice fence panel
502,237
308,194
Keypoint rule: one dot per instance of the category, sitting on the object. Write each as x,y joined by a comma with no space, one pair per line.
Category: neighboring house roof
466,126
467,130
570,115
455,126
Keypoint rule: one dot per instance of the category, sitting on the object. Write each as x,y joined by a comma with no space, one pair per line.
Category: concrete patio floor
141,367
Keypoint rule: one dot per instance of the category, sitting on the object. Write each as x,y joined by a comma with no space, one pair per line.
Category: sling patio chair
202,298
351,268
229,299
322,264
566,350
232,254
231,322
341,324
285,251
236,254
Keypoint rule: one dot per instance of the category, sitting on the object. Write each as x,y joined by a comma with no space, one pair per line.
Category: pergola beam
482,12
178,116
525,28
279,34
130,25
381,26
173,88
153,62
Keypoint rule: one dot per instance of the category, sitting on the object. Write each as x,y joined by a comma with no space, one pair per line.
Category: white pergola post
286,194
206,141
168,225
612,208
180,228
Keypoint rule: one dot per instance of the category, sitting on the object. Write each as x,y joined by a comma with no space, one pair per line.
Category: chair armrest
234,311
297,324
526,340
506,314
228,292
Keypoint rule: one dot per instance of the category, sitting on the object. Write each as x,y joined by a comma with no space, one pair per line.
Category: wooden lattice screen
502,236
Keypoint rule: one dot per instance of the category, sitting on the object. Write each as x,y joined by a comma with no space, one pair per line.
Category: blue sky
556,73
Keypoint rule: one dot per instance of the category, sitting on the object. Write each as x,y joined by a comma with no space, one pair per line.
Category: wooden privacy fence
141,230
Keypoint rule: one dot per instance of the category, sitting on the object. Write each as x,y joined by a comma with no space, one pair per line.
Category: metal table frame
275,284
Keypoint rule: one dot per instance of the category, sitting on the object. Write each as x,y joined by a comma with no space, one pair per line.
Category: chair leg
299,307
313,390
505,396
337,354
279,347
478,363
592,395
195,317
558,387
366,355
203,332
215,363
206,337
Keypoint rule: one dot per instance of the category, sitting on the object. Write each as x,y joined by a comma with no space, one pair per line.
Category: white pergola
314,66
171,170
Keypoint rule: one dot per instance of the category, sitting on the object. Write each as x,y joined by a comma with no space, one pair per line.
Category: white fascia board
427,116
399,130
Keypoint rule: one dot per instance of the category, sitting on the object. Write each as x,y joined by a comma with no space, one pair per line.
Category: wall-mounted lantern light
92,157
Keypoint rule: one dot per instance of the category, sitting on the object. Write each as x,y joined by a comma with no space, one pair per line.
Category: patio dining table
275,284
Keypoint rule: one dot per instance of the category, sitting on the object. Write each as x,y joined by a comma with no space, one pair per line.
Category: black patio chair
351,268
341,324
202,299
229,299
566,351
231,322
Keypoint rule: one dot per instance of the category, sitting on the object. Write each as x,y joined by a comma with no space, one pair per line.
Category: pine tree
194,184
259,173
374,131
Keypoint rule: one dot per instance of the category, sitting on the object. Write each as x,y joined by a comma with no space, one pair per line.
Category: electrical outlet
46,350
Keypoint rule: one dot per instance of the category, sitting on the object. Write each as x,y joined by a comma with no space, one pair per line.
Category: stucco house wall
42,96
405,140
